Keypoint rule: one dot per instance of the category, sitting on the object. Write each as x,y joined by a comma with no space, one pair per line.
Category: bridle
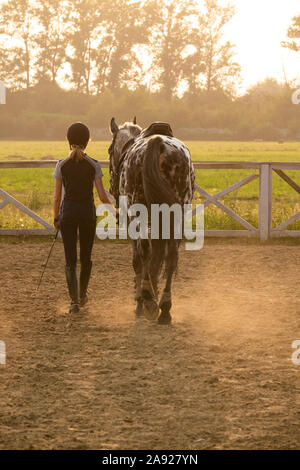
115,170
125,148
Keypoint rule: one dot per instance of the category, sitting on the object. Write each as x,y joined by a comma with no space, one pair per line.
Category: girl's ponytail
77,153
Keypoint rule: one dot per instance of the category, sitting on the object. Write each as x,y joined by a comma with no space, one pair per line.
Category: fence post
265,201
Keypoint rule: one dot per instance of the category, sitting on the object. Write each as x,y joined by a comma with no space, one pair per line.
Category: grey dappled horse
151,167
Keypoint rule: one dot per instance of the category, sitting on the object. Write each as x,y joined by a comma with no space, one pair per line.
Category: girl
74,209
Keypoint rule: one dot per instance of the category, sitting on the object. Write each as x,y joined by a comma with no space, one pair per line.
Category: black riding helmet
78,134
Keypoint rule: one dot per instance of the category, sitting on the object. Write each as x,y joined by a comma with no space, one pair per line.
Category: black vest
78,180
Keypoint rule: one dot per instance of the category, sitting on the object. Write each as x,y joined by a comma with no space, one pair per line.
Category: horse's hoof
165,303
151,309
165,318
139,308
74,308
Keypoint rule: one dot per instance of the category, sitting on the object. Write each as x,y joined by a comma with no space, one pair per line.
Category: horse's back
174,162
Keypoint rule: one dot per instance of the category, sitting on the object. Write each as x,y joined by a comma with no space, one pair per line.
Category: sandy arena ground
219,377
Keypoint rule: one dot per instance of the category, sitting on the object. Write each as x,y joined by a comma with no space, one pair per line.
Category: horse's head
121,137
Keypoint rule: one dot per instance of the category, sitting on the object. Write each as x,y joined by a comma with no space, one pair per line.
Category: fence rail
265,173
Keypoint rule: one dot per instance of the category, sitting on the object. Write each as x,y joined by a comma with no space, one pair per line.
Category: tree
16,26
170,39
82,33
125,26
293,34
212,65
3,62
51,40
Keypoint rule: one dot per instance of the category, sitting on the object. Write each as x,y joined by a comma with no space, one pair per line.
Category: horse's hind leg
137,266
149,289
156,262
165,303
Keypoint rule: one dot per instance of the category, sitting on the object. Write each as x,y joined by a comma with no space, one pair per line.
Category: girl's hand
56,224
109,197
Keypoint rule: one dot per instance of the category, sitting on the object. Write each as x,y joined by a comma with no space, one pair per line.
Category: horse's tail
156,189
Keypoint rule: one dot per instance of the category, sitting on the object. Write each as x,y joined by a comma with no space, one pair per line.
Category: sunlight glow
257,29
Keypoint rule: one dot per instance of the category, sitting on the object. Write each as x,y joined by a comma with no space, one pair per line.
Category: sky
257,29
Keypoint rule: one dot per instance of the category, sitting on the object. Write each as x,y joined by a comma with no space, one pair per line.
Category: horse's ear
113,126
134,120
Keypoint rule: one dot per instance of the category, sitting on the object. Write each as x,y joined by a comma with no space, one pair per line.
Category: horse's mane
134,129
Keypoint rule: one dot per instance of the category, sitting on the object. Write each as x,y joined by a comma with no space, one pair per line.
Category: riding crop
45,264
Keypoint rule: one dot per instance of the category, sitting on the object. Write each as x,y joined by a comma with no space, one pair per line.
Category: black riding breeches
76,218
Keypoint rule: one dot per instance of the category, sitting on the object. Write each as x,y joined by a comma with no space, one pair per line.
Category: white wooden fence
263,172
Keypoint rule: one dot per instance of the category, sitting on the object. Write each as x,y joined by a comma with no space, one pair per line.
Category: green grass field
34,187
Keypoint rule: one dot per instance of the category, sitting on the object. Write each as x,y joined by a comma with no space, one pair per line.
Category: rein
115,171
123,155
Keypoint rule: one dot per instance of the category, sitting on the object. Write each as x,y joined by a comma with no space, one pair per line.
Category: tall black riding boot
85,274
73,288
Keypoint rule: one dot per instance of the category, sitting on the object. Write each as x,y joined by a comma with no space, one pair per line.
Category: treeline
158,59
44,111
